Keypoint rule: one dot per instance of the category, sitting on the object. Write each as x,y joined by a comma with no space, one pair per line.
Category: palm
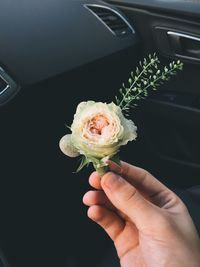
137,246
129,248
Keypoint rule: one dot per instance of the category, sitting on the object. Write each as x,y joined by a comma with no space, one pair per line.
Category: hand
149,224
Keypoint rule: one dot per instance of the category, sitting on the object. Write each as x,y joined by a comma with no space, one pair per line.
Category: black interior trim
186,8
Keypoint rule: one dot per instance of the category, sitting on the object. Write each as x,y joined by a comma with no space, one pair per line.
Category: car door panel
171,117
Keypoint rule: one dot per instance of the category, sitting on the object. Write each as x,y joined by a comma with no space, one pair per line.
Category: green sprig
146,76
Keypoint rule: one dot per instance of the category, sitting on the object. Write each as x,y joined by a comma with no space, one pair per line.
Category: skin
148,223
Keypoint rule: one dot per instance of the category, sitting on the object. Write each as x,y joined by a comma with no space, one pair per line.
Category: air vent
112,19
8,88
3,85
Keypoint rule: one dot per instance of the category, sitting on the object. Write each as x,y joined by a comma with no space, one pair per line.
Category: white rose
98,131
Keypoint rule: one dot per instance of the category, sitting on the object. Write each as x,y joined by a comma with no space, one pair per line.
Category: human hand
149,224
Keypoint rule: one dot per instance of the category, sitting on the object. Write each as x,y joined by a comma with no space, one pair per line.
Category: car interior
55,54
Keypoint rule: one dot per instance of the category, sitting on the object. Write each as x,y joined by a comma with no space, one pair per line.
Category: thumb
128,200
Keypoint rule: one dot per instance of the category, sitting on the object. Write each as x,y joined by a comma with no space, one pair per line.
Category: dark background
43,221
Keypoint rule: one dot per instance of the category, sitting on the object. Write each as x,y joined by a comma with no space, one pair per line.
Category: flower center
97,124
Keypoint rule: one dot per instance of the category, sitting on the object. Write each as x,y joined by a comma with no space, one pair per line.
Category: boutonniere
100,129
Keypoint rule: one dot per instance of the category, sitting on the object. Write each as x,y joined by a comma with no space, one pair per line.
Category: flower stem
102,170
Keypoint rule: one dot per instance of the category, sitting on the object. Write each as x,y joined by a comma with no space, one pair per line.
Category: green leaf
84,162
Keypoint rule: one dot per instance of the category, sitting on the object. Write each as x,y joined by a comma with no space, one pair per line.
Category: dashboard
42,39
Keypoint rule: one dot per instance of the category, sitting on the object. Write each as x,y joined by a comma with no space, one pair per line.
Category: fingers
146,184
107,219
95,180
138,177
97,198
128,200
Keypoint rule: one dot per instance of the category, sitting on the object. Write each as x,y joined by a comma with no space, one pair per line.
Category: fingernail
110,179
114,166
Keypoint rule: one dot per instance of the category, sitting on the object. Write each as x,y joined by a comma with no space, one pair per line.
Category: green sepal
100,166
104,169
116,159
84,162
68,126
